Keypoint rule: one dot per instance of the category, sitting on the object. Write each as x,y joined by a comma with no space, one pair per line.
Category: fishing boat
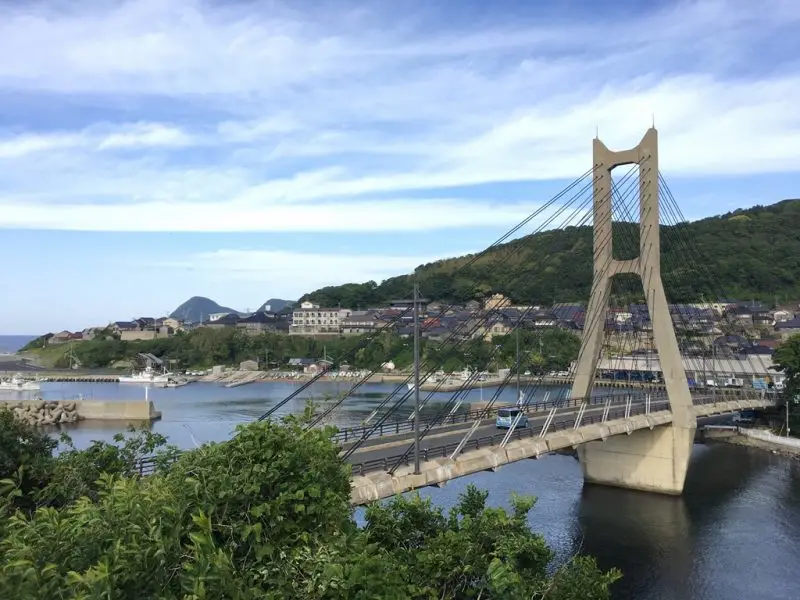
147,376
18,384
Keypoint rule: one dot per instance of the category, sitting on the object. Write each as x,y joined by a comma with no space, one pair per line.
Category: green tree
267,515
25,457
787,360
556,265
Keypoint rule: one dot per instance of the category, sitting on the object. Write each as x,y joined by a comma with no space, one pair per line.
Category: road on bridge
394,446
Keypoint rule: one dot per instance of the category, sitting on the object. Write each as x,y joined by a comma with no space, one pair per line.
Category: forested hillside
746,254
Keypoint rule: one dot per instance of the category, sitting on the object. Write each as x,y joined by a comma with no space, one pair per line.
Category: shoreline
754,438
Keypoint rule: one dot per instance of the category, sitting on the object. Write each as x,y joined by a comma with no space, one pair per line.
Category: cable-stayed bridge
634,440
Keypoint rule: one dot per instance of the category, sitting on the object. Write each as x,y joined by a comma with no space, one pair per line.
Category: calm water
734,534
11,343
202,412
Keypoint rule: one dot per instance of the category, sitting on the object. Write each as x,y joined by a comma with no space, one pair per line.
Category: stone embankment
754,438
40,412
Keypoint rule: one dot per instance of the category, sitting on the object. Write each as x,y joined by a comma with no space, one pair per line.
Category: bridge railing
147,465
445,450
407,426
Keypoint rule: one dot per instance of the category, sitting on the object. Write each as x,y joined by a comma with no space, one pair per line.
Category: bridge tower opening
654,460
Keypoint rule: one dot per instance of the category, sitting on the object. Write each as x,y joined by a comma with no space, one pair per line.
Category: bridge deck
371,481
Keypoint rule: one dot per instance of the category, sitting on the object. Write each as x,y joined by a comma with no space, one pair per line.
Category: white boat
17,384
147,376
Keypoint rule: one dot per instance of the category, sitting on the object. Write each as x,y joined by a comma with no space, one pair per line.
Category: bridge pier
648,460
653,460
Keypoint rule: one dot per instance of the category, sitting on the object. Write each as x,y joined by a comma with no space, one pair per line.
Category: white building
217,316
310,319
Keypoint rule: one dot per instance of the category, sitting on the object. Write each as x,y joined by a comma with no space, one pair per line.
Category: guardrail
407,426
383,464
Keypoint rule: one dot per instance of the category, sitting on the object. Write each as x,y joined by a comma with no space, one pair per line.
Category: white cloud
297,272
380,215
97,137
14,147
284,112
145,135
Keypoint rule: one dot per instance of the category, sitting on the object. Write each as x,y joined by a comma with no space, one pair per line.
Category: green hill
751,254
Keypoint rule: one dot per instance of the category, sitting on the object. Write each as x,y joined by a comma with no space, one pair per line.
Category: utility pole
416,379
519,321
787,400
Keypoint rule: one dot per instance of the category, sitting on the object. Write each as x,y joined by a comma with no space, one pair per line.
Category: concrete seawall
40,412
754,438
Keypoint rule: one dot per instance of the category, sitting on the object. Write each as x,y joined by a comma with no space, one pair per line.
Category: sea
734,533
11,343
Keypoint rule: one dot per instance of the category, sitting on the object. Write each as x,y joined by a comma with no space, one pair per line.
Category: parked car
506,416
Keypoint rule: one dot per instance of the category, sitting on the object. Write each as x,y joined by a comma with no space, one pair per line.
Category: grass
48,356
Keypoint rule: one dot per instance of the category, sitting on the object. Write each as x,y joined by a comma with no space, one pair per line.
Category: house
120,326
309,365
496,301
569,316
248,365
261,322
757,349
788,328
175,324
213,317
749,313
779,316
728,345
151,333
62,337
542,318
145,322
310,319
495,327
361,321
91,333
404,305
226,320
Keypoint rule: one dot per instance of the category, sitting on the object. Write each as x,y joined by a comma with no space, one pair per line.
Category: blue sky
151,150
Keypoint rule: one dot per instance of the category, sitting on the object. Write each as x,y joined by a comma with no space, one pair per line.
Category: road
395,446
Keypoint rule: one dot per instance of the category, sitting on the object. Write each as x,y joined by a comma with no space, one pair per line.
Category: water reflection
735,533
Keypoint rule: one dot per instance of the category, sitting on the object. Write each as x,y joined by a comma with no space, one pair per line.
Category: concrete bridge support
649,460
653,460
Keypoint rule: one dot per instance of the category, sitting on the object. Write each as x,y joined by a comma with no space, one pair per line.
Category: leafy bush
26,457
265,515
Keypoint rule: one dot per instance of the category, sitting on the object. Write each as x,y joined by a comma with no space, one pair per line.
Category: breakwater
40,412
57,412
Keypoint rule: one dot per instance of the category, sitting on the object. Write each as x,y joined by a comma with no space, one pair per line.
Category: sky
151,151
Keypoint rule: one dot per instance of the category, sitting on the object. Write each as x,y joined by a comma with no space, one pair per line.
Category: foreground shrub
266,515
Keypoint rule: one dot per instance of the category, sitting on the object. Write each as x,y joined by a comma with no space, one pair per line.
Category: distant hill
197,308
752,253
276,305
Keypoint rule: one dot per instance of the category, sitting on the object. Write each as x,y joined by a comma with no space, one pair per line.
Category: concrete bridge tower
653,460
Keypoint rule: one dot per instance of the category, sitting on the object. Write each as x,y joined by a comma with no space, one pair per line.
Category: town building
311,319
62,337
788,328
359,322
262,322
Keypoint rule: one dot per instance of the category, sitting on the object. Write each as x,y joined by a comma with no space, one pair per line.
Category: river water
735,533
